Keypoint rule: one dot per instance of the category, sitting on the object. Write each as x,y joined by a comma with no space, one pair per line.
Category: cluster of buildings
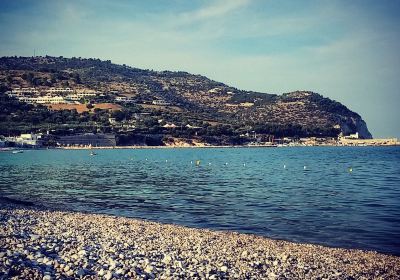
28,140
87,140
31,140
51,95
67,95
350,140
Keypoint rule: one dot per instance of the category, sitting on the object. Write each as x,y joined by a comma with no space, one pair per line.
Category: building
88,139
43,100
160,102
86,94
60,90
169,125
352,136
26,140
24,91
73,97
50,100
123,99
215,90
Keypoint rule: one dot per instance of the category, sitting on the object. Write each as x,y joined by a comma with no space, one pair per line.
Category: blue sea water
302,194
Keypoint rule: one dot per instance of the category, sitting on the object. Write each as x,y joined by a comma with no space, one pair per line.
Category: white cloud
217,9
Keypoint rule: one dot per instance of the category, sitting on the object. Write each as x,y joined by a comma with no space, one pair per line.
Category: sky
345,50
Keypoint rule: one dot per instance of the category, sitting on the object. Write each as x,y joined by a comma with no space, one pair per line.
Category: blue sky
345,50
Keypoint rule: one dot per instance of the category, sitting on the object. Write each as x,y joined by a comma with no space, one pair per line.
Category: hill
162,102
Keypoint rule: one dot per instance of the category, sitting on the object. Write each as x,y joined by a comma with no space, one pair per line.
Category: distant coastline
138,147
214,147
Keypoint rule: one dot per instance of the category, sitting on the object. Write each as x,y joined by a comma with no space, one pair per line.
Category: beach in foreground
39,243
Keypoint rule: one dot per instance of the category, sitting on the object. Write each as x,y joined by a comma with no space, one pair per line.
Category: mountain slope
196,98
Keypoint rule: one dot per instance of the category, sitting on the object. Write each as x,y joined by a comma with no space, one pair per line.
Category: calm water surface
246,190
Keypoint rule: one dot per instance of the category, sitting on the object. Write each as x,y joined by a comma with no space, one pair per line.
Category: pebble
75,245
108,276
149,269
120,271
34,237
167,259
82,252
101,272
81,272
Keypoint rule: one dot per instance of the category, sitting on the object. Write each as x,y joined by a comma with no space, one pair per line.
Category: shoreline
208,147
9,149
38,242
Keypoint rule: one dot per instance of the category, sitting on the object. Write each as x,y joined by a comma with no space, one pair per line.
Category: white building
169,125
43,100
28,139
72,97
214,90
86,94
24,91
160,102
60,90
352,136
123,99
50,100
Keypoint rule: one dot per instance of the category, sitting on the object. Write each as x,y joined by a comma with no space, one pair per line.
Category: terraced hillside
192,99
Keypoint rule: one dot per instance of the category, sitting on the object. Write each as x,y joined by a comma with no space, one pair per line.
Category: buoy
191,162
209,163
244,164
226,163
284,166
350,169
146,159
305,167
166,160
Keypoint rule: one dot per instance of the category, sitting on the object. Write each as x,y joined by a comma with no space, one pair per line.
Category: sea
345,197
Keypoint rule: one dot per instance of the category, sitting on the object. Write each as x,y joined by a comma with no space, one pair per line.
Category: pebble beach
39,243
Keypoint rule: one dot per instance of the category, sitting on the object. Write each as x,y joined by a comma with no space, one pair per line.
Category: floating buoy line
198,163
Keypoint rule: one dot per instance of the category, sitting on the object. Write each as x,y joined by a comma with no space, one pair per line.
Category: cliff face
353,125
196,99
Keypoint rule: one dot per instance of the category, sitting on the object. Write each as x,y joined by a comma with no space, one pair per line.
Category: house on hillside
123,99
161,102
169,125
60,90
